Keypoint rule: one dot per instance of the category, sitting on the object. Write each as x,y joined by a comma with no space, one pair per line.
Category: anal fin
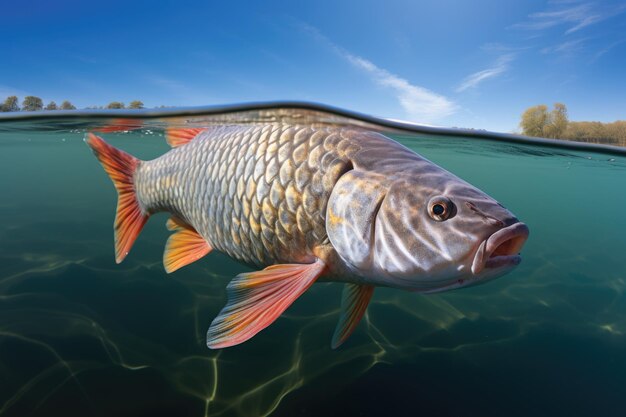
354,301
184,246
257,299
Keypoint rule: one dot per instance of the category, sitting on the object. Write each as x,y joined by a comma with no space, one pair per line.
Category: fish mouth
501,249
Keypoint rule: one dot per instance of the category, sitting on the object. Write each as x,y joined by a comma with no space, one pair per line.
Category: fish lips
501,249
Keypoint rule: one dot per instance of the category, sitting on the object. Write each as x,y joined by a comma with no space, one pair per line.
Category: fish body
256,193
311,203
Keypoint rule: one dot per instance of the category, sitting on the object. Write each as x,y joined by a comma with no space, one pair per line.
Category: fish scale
257,193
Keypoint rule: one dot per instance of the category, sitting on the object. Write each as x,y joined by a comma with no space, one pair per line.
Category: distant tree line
135,104
33,103
538,121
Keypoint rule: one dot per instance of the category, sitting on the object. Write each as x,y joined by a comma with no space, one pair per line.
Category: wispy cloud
576,17
565,48
606,49
419,103
473,80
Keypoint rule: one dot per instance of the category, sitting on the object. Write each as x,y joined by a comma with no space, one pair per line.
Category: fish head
421,230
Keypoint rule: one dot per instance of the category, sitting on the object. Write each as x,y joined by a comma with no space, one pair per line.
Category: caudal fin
121,167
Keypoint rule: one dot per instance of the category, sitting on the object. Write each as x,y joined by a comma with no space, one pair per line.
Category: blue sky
452,63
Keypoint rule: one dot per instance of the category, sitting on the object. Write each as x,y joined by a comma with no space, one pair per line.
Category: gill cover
351,216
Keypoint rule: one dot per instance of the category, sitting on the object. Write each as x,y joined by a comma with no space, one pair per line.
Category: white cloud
576,17
607,49
589,20
472,80
565,48
420,104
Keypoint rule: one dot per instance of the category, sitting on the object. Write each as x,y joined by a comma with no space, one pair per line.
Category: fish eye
440,208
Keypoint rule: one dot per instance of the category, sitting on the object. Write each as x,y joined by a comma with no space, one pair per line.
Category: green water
82,336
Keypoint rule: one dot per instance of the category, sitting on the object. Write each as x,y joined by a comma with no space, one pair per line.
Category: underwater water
83,336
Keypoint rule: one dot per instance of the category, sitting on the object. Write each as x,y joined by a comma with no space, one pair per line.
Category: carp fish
305,204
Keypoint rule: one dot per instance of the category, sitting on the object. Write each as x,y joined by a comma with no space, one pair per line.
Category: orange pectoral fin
256,299
183,247
180,136
354,301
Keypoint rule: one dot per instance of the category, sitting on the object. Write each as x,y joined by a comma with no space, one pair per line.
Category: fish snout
501,249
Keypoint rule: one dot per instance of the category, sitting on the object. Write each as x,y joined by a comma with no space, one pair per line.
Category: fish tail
130,218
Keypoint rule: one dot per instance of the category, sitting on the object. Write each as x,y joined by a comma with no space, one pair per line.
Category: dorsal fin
120,125
184,246
179,136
